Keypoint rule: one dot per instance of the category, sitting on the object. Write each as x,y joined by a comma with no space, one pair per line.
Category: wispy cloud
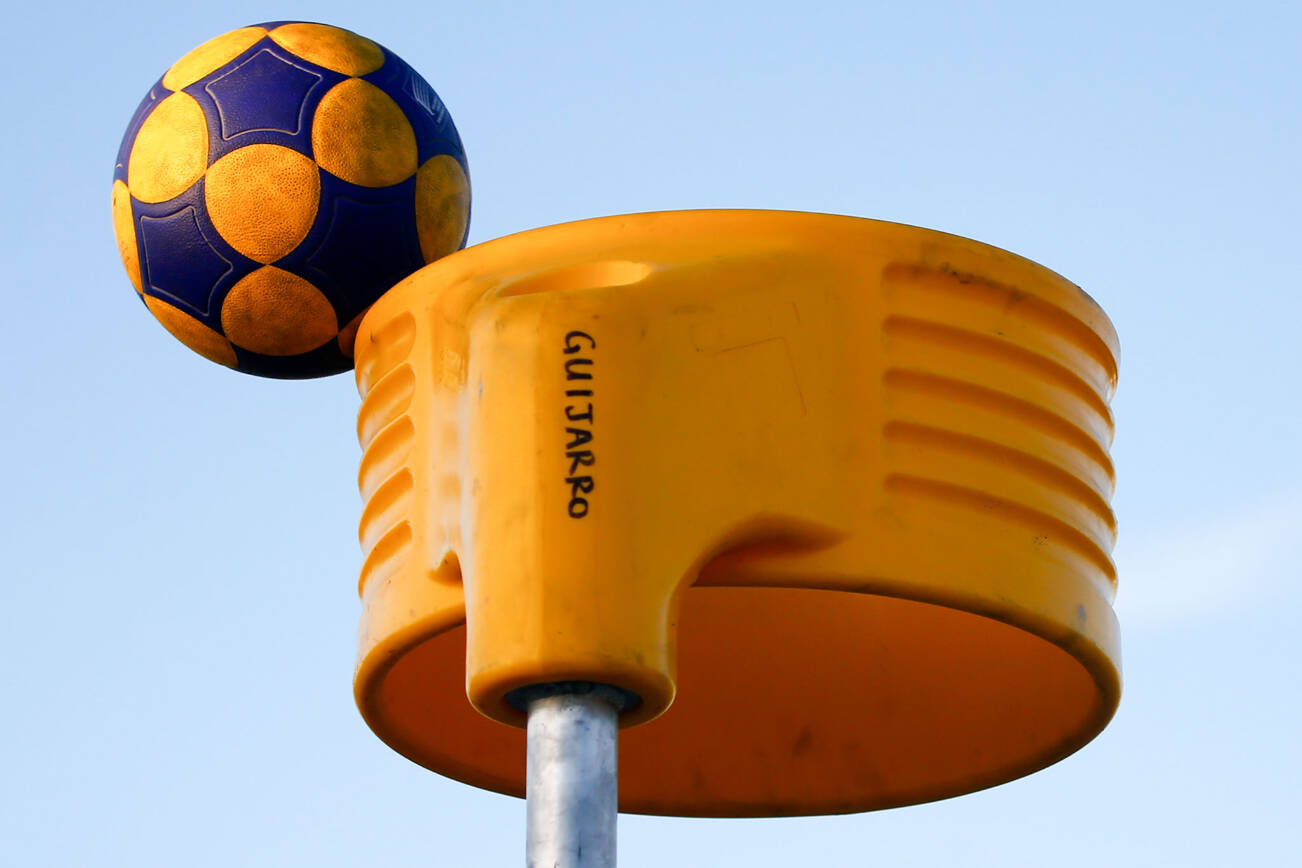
1203,569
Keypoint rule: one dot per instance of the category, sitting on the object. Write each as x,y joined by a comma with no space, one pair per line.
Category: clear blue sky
177,618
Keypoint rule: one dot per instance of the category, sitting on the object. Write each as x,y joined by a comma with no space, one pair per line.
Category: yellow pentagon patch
215,52
276,313
442,206
263,199
170,151
331,47
192,333
124,228
360,134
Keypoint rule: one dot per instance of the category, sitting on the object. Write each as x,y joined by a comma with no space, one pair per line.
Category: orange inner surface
790,701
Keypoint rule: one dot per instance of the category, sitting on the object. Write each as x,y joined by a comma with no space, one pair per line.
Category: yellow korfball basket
830,496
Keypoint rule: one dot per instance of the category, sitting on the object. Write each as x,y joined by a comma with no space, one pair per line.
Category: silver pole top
571,784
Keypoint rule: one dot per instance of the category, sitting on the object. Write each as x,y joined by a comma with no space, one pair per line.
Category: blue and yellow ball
274,183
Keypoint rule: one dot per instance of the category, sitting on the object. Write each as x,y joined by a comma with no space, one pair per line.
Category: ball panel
428,99
429,117
263,199
192,333
442,206
276,313
124,228
364,242
265,92
267,97
348,334
156,94
320,362
170,151
214,53
332,47
179,260
360,134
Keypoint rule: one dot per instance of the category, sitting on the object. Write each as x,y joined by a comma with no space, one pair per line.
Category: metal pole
571,784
